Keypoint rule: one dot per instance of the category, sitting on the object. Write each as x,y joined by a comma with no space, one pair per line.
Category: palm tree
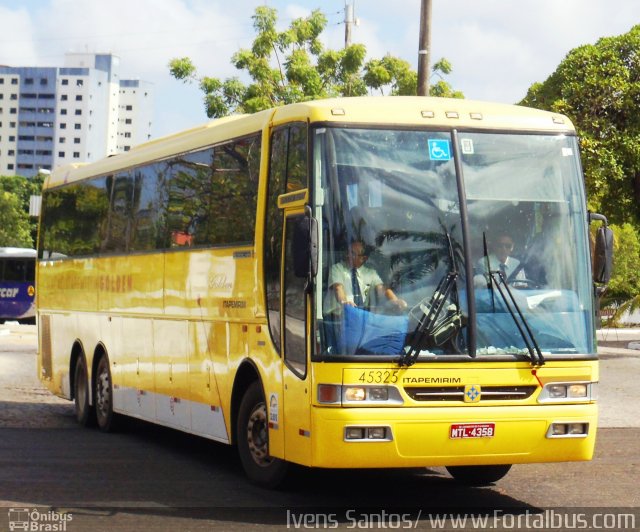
630,306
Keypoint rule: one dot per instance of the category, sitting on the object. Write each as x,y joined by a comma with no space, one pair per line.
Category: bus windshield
419,248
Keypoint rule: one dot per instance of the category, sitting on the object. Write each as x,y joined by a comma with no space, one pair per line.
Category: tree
625,281
14,222
16,192
292,66
598,87
624,288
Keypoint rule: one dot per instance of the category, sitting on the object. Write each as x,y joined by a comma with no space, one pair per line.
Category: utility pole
348,23
424,48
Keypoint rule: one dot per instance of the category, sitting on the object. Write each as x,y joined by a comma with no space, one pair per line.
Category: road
151,478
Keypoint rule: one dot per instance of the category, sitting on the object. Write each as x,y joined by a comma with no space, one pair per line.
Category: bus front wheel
103,396
253,440
478,475
85,413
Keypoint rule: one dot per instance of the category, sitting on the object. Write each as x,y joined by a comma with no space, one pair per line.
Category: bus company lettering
116,283
74,281
8,293
432,380
219,282
234,303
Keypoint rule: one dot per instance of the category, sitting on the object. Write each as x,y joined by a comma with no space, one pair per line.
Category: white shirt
340,273
510,266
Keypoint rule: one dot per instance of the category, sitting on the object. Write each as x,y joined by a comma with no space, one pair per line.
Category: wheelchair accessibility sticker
439,150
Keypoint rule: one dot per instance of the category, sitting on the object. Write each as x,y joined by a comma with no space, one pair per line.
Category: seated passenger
353,283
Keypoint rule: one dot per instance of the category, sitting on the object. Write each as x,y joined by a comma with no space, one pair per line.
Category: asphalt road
151,478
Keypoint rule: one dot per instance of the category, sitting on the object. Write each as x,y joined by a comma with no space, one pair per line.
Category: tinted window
273,230
73,218
297,158
189,213
17,270
213,195
294,308
148,228
235,188
118,226
287,173
202,198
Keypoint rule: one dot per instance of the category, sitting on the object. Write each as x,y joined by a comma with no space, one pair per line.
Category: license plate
472,430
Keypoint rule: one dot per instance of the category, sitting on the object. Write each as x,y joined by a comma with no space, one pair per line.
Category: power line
119,35
173,46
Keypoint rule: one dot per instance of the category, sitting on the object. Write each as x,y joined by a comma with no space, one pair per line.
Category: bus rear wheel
85,412
103,396
253,440
478,475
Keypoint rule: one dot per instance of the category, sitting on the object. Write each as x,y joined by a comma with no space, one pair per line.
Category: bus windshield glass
395,274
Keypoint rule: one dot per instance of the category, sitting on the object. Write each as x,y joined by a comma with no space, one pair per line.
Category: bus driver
352,283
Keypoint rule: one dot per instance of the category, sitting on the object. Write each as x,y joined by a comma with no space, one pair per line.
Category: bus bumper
419,437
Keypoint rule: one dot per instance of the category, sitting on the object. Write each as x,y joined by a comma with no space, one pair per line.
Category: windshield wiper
499,280
430,326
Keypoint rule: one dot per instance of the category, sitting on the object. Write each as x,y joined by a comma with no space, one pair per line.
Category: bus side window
294,307
273,230
120,213
297,175
14,270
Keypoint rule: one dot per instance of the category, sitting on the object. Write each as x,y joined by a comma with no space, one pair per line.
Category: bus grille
456,393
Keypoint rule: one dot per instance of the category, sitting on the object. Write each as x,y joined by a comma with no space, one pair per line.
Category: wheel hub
258,436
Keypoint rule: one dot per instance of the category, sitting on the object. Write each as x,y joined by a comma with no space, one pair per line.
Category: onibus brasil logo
36,520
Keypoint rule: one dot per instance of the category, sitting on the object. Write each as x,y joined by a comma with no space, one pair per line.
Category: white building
77,113
9,91
135,110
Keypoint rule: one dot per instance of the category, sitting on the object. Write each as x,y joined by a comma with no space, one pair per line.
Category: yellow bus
347,283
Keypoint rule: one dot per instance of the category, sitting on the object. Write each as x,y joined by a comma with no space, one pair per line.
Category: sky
498,48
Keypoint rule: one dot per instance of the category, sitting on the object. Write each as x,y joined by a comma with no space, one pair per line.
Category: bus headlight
370,395
352,395
362,393
355,394
557,391
577,390
567,391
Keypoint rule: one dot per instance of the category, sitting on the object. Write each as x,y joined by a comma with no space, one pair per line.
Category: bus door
295,347
287,196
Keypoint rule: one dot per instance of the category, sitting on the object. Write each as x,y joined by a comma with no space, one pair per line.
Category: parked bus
17,284
192,282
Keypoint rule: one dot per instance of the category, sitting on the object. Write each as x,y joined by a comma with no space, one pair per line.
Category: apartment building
134,113
81,112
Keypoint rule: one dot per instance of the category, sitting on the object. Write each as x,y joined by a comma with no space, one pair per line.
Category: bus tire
85,412
253,440
103,396
478,475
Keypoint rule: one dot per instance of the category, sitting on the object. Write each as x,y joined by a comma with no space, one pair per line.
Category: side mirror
603,251
305,247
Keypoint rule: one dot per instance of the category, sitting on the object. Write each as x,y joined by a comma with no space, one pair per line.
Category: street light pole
348,23
424,48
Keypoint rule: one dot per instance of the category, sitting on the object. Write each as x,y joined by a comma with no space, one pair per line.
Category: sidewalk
11,332
619,339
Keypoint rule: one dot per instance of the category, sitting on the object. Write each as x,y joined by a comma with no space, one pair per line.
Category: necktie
355,287
503,270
